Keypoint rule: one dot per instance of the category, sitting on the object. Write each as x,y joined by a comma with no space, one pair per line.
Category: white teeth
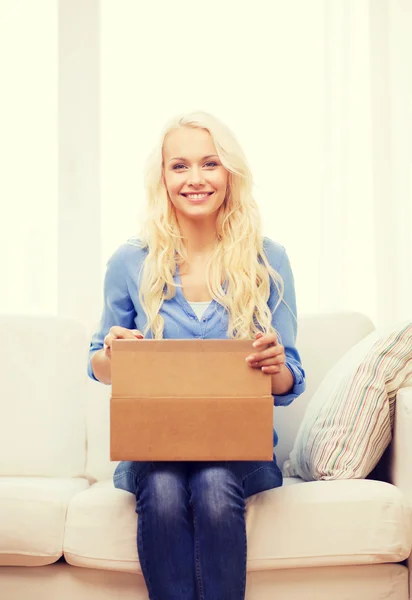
195,196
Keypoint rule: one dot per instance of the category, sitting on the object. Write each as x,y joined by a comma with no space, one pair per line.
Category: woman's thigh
256,476
132,475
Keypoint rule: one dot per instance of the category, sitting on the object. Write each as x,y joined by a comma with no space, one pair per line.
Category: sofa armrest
400,467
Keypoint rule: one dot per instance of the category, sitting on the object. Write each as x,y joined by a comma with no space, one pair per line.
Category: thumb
258,335
137,333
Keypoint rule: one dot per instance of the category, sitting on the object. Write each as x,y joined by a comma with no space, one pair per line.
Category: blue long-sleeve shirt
122,308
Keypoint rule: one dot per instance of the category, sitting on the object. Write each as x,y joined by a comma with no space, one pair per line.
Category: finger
277,360
116,331
272,370
121,333
138,334
270,352
268,339
128,334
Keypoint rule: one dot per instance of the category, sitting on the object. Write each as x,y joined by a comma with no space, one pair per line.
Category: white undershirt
199,308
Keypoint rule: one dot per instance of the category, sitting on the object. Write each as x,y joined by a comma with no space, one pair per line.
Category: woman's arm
290,382
283,382
118,310
101,367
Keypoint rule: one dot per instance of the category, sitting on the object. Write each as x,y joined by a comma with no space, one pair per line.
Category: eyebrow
204,158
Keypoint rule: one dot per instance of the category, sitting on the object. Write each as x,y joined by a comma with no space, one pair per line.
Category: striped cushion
348,422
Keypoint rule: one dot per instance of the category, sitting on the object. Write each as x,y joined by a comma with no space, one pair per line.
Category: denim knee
216,493
164,492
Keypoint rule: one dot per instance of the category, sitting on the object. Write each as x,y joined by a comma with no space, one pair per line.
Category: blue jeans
191,535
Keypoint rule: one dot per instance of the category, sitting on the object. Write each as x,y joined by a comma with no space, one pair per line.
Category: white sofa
66,532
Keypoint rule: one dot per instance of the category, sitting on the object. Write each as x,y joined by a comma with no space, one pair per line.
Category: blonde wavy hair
237,262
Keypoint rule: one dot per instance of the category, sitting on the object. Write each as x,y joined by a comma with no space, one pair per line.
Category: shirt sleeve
118,307
284,320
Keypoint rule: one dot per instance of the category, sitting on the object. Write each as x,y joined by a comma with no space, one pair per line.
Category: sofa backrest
55,420
42,398
322,341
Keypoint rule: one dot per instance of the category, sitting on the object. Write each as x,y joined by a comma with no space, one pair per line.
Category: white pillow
348,423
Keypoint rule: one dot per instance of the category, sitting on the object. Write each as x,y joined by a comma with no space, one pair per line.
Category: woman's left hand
269,355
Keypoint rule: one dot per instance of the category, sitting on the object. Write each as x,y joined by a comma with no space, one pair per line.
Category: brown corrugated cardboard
189,400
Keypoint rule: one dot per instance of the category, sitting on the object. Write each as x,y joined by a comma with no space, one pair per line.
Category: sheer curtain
28,156
366,248
318,93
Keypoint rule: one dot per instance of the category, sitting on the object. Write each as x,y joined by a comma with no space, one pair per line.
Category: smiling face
195,179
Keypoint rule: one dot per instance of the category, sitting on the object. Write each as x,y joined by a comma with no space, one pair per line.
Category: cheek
219,182
223,181
172,185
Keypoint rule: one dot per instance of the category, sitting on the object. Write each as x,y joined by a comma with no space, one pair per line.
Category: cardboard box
189,400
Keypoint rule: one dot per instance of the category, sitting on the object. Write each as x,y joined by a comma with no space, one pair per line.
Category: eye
180,166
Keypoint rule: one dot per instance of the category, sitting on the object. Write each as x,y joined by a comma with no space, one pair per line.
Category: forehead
188,143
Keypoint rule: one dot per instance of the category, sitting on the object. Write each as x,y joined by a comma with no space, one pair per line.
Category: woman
200,269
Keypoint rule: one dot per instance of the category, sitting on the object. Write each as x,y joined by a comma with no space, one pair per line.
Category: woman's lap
255,476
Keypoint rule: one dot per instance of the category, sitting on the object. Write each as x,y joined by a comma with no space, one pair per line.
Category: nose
195,178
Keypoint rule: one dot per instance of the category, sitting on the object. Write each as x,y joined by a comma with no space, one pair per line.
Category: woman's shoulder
274,251
134,241
132,250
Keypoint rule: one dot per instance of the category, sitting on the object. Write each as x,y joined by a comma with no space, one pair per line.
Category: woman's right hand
120,333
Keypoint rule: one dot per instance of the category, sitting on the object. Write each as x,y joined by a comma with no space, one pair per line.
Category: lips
197,194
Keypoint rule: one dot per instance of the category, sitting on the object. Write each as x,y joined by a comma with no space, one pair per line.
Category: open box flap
213,368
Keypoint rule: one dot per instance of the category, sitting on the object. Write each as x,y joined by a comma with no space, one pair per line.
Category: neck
201,237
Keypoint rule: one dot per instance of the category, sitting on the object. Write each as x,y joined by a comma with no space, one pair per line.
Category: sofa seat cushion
302,524
32,518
